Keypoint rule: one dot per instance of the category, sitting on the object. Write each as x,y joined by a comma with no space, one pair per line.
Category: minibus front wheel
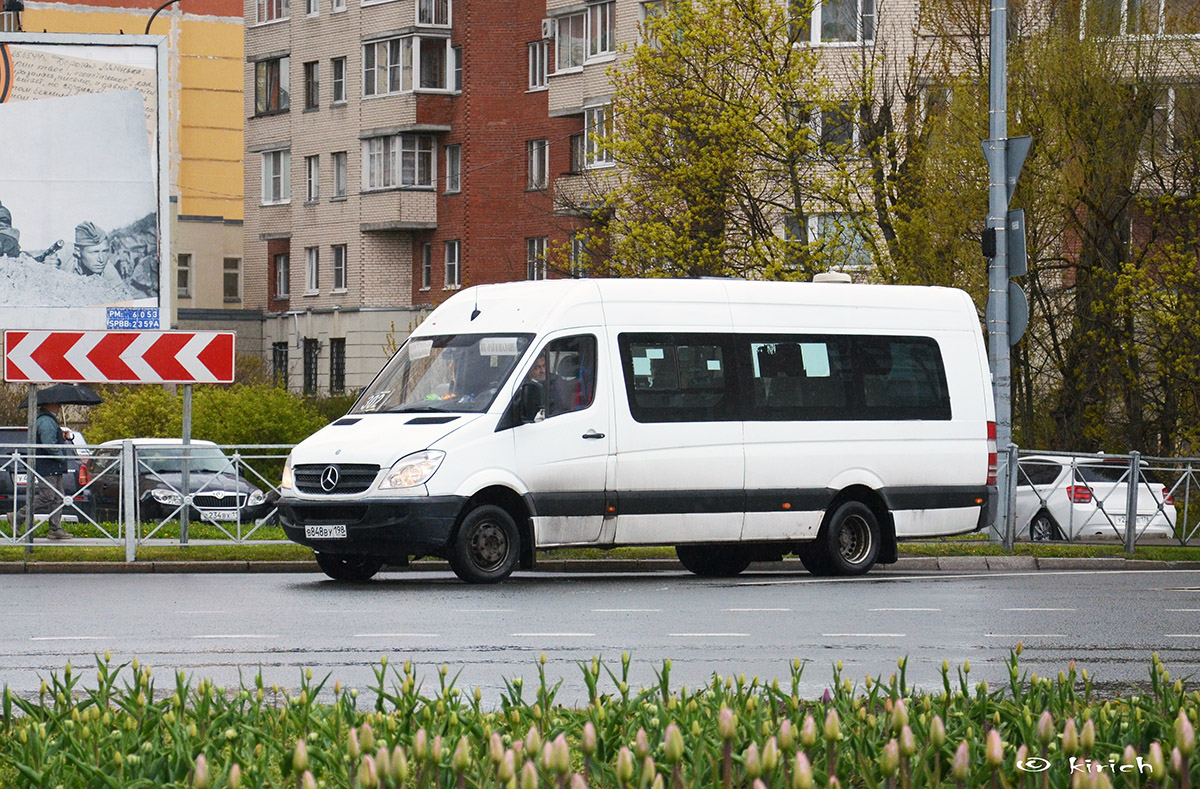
486,547
348,567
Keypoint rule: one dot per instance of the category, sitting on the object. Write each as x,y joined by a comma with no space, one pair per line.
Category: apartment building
396,151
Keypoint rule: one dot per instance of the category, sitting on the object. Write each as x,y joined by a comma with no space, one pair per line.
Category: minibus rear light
993,461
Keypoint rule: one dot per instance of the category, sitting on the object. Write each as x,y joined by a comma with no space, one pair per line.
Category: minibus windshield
451,372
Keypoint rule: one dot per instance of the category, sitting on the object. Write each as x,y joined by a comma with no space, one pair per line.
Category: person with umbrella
50,463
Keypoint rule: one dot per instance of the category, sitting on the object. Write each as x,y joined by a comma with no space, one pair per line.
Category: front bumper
392,528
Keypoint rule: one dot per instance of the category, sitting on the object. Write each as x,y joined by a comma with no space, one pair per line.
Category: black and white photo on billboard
78,203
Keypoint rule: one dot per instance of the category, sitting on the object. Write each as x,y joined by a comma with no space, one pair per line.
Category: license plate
335,532
22,478
218,515
1142,520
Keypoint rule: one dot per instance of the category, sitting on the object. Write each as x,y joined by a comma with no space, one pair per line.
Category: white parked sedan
1069,497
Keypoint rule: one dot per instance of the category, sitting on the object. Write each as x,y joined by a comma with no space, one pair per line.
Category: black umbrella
67,394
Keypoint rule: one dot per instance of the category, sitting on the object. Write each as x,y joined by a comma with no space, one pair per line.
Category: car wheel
1043,528
487,546
812,556
712,561
348,567
849,543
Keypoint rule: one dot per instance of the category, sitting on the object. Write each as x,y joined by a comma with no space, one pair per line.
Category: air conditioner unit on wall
547,28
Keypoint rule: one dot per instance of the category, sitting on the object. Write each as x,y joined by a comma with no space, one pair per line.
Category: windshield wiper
408,409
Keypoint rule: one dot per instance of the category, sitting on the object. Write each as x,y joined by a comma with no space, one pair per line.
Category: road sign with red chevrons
150,357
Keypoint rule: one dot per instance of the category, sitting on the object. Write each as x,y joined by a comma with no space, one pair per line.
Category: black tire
1043,528
713,561
812,556
348,567
849,543
487,546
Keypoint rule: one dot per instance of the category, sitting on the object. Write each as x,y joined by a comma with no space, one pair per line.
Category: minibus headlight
412,470
286,481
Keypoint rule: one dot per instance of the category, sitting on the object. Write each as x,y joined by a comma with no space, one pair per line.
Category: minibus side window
568,372
902,378
679,377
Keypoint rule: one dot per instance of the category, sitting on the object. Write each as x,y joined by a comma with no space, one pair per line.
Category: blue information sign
129,318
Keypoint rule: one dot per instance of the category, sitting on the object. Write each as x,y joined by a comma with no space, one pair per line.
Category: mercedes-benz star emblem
329,479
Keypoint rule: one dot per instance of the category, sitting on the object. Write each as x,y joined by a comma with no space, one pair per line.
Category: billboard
84,178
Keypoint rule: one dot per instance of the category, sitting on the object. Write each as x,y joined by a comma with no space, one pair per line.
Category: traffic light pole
997,312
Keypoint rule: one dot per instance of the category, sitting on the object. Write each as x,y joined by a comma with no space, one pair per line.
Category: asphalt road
219,626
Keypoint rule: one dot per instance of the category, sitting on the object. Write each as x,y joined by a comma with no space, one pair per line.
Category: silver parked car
1069,497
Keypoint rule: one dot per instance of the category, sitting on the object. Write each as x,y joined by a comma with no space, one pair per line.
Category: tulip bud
624,765
833,726
495,748
200,776
461,759
1185,735
368,776
726,723
787,735
366,737
994,749
1022,755
960,768
899,716
435,749
770,755
1087,737
673,744
307,781
1177,762
908,743
562,755
533,741
507,769
937,731
889,757
529,776
1070,738
754,766
1129,756
300,757
399,765
641,744
802,774
1158,765
420,745
808,732
1045,728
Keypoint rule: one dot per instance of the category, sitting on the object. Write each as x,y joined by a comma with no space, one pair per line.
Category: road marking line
862,635
239,635
626,610
1183,610
709,635
552,635
346,611
485,610
1024,635
936,576
1039,609
753,610
904,609
396,635
1182,635
202,612
68,638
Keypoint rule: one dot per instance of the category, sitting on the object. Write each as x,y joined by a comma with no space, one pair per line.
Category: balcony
398,210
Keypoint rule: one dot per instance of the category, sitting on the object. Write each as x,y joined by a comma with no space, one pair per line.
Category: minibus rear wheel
713,561
849,543
348,567
487,547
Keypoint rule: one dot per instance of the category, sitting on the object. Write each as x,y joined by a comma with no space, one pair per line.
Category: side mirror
531,399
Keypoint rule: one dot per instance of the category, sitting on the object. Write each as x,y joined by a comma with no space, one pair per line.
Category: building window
339,174
535,258
312,86
312,178
456,53
337,5
836,21
426,265
388,66
453,252
433,12
277,177
434,55
232,279
453,168
279,363
183,275
283,276
337,365
398,160
538,154
272,10
597,127
272,86
312,270
312,7
579,255
570,42
842,236
647,10
601,29
338,66
1139,18
339,267
578,157
838,133
539,51
312,357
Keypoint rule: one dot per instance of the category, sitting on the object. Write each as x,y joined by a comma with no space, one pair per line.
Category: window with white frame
647,10
433,12
387,66
276,177
312,178
843,236
312,7
398,160
453,262
340,277
337,5
339,174
338,69
312,85
272,85
578,153
535,258
538,154
570,42
1141,18
597,128
539,51
312,270
433,55
456,55
835,21
579,255
454,168
602,29
838,133
1175,125
283,276
426,265
183,275
272,10
231,283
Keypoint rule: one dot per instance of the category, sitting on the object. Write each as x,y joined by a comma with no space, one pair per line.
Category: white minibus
736,421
